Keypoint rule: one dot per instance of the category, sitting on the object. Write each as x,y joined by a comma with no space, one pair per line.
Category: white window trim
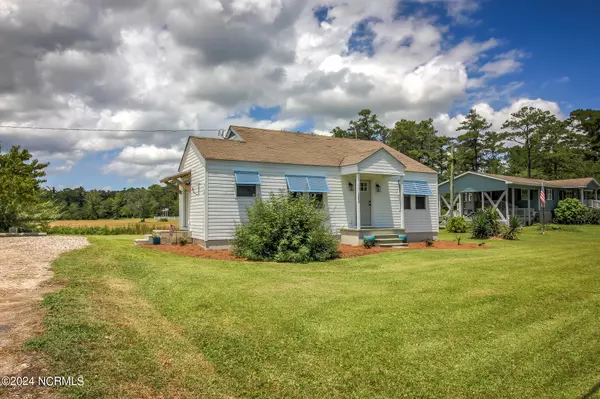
526,198
549,194
414,200
257,191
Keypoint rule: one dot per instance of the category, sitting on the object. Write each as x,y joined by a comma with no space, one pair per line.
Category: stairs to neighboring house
389,241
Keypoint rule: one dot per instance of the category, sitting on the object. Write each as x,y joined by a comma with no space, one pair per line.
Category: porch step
393,245
141,241
386,236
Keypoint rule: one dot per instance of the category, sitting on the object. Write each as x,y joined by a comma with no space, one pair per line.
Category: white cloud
447,125
188,64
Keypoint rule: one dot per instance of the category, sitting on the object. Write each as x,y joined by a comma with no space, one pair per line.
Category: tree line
78,203
531,143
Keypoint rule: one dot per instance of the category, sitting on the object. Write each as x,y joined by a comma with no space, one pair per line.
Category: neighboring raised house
360,183
511,195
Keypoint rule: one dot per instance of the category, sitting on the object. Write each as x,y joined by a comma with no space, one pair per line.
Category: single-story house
361,184
511,195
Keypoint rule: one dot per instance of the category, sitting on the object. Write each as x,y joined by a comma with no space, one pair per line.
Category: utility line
106,130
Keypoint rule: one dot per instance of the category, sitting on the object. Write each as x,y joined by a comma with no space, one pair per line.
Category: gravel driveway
24,266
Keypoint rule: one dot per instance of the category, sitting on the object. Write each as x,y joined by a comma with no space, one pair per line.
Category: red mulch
346,251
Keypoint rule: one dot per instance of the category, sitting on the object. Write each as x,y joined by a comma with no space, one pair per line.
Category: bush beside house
457,224
286,228
572,211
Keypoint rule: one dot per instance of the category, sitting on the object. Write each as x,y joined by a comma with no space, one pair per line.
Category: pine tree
470,144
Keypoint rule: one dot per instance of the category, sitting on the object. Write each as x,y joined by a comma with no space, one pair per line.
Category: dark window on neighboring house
407,202
420,202
246,190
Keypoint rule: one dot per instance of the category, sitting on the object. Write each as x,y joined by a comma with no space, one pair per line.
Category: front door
365,203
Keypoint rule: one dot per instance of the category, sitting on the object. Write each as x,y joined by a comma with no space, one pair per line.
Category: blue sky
182,65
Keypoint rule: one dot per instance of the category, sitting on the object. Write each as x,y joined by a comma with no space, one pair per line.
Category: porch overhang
178,180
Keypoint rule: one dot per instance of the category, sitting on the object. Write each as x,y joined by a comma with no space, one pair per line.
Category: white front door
365,203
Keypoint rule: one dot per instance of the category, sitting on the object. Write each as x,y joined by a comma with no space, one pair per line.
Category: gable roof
275,146
570,183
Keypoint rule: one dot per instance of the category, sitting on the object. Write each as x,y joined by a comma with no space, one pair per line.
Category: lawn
111,222
519,319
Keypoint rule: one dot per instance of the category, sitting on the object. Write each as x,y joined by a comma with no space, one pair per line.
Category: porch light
378,187
351,186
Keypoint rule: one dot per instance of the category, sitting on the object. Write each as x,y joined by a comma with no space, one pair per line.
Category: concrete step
385,236
388,240
142,241
393,245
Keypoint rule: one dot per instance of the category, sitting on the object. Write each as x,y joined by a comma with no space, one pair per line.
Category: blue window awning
416,187
307,184
247,177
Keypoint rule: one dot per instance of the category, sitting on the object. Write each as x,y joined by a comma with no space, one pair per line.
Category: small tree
286,228
20,187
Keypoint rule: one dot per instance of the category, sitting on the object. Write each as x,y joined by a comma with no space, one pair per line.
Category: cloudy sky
305,65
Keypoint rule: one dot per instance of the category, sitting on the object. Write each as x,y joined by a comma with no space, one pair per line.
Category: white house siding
381,162
226,210
193,161
385,209
427,220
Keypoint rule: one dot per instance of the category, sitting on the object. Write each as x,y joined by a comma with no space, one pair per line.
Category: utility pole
452,180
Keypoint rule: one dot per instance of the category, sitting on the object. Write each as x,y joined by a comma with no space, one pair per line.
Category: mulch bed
346,251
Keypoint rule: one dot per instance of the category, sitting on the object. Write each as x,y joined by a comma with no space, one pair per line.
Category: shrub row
485,224
132,228
572,211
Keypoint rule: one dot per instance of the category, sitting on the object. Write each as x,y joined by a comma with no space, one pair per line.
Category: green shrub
285,228
592,216
511,232
485,224
457,224
570,211
163,220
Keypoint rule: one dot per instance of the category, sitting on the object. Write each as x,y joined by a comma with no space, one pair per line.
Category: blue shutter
416,187
307,184
247,177
318,184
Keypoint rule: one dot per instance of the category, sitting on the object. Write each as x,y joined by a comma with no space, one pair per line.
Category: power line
81,129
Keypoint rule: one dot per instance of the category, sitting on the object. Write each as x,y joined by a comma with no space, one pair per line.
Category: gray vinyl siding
385,209
423,220
193,161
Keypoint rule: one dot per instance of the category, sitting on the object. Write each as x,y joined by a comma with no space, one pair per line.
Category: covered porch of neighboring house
474,191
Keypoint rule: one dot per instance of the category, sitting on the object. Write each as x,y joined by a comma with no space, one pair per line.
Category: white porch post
582,194
596,194
460,204
482,201
506,202
513,200
357,187
402,202
529,207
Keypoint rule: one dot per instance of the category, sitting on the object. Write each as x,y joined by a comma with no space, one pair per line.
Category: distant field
110,223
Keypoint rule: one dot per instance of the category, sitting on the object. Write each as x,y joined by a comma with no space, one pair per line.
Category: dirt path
24,267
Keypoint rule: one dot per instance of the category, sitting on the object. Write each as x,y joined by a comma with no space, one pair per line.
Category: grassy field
110,222
517,320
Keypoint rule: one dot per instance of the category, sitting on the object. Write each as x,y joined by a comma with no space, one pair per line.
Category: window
407,202
569,194
420,202
469,197
549,194
524,195
364,187
246,190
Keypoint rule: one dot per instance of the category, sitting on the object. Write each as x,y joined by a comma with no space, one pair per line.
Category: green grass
519,320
